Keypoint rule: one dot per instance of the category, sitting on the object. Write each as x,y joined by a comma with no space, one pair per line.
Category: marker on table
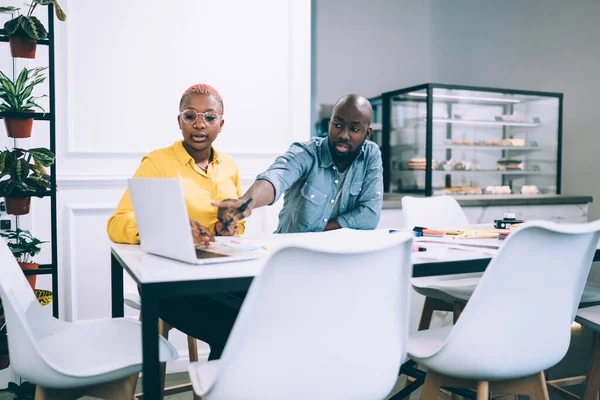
230,220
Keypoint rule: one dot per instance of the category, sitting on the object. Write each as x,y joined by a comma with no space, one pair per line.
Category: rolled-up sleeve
367,213
288,168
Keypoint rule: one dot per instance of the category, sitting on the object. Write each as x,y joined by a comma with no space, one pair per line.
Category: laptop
164,226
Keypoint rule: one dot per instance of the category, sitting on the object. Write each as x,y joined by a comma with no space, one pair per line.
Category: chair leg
431,304
427,313
163,330
116,390
193,353
192,349
592,380
121,389
533,386
432,386
457,309
483,390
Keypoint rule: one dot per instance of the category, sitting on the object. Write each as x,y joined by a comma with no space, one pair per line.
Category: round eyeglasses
190,116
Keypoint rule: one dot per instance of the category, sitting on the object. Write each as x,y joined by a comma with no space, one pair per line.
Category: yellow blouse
220,181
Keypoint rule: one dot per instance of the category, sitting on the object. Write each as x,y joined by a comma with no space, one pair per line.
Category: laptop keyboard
203,254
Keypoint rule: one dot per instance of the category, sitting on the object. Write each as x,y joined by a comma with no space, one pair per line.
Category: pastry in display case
459,140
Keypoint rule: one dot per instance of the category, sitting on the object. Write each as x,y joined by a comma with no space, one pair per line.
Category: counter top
393,201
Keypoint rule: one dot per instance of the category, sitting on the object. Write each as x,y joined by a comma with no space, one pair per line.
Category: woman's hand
232,230
201,234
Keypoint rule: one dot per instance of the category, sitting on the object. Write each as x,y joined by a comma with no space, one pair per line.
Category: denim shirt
307,175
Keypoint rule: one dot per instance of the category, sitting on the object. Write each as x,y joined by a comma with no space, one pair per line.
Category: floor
574,363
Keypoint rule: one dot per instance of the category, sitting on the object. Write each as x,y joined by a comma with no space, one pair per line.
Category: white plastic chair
442,293
134,301
68,360
324,320
530,327
451,292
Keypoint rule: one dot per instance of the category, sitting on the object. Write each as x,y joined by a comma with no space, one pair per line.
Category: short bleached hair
201,88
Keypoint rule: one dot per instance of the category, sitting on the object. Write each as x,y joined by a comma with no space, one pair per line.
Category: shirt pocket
313,200
355,191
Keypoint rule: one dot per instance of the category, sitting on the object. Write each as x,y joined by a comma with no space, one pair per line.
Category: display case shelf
474,171
485,123
402,147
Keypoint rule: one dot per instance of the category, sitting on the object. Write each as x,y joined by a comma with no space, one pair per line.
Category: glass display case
376,132
447,139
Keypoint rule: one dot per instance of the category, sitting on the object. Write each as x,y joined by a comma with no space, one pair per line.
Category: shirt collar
184,157
325,159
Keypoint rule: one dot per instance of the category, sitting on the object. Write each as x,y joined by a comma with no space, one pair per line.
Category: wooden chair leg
193,353
432,386
163,330
483,390
192,348
533,386
592,380
121,389
431,304
117,390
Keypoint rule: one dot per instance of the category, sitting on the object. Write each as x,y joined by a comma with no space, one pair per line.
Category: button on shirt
309,178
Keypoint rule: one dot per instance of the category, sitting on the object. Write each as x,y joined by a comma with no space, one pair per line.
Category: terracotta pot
22,46
17,205
30,266
18,128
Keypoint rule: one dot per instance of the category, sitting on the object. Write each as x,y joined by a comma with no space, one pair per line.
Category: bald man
329,183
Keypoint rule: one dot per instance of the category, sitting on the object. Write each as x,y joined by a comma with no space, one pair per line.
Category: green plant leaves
6,187
8,9
26,25
33,27
60,14
21,170
43,296
12,26
43,156
23,245
16,96
25,176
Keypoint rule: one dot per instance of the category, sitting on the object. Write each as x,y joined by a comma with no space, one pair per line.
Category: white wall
369,47
548,45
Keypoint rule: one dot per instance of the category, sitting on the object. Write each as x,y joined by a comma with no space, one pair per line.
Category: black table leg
151,381
116,287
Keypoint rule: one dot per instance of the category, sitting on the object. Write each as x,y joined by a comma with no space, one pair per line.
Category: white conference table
159,277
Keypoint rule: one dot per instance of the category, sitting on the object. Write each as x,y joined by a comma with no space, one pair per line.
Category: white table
158,278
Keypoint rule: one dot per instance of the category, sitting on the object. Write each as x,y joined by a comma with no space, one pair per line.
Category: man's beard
343,157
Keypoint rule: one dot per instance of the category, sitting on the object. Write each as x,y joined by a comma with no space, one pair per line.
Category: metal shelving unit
50,116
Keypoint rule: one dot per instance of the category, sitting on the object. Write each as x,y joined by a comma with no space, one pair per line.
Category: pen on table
230,220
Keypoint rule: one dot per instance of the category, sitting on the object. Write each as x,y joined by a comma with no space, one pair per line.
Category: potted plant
24,177
17,99
24,247
25,30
